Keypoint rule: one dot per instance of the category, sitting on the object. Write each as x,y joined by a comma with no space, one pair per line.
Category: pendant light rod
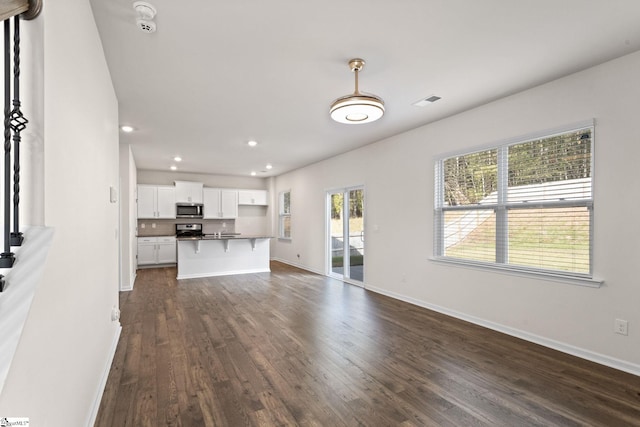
357,92
356,65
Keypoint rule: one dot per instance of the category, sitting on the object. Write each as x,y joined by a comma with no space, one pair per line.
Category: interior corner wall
32,144
398,175
68,339
128,218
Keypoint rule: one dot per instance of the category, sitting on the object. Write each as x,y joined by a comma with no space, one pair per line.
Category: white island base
221,257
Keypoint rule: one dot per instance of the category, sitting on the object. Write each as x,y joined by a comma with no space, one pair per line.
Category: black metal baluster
18,124
6,258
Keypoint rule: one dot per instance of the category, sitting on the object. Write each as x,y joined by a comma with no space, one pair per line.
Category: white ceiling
217,74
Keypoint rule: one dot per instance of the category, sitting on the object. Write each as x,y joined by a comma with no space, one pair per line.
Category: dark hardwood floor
294,348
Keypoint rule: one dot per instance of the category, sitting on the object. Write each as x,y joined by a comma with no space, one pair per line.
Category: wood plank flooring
293,348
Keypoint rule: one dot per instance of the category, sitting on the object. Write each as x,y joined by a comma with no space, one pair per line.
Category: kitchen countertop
223,237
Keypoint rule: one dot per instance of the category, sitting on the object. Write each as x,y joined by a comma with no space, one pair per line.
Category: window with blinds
285,215
525,205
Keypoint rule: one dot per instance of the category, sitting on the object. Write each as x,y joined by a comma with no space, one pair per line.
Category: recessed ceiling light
253,173
173,168
177,158
126,128
269,166
427,101
252,143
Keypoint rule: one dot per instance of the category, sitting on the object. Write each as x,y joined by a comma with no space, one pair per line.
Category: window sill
579,281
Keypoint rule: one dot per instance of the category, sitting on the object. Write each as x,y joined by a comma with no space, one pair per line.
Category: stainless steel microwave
189,210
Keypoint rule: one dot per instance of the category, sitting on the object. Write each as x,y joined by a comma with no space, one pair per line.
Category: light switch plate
113,194
621,327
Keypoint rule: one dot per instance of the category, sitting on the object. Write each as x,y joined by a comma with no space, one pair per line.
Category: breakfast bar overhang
206,257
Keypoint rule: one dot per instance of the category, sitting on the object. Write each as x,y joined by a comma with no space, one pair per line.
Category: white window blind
524,205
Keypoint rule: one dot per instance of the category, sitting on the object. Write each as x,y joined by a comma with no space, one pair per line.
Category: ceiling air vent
426,101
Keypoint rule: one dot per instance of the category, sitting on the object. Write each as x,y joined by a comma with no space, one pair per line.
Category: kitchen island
208,256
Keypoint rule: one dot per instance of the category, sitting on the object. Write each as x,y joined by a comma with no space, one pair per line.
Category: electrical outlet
142,225
153,225
621,327
115,314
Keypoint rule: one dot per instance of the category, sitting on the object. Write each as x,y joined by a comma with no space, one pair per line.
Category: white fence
574,189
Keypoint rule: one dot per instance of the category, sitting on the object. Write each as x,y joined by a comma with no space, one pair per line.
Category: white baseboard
612,362
105,375
129,287
226,273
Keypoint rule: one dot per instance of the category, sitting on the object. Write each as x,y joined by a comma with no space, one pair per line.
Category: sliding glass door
345,225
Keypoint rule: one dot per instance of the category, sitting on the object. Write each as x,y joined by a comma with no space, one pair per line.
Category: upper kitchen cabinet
188,192
253,197
220,203
156,201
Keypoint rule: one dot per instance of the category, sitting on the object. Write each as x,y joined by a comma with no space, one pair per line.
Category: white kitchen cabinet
188,192
166,202
156,201
229,203
147,250
166,250
156,250
220,203
253,197
147,206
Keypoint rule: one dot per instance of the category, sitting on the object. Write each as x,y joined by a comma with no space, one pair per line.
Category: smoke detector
146,26
146,12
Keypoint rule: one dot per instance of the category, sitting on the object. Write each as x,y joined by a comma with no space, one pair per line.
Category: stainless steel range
189,230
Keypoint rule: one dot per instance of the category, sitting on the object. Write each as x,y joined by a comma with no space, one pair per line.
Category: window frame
502,206
283,215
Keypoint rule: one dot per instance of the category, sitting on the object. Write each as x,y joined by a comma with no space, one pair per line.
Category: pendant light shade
358,107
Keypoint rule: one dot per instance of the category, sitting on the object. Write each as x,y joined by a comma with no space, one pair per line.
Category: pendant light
358,107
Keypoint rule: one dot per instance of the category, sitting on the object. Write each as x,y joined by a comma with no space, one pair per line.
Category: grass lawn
554,239
338,261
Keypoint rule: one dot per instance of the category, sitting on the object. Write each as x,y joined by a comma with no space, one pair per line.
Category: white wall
128,218
398,175
23,279
68,338
32,144
209,180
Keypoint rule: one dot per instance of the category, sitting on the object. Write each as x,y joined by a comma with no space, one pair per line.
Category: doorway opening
345,234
